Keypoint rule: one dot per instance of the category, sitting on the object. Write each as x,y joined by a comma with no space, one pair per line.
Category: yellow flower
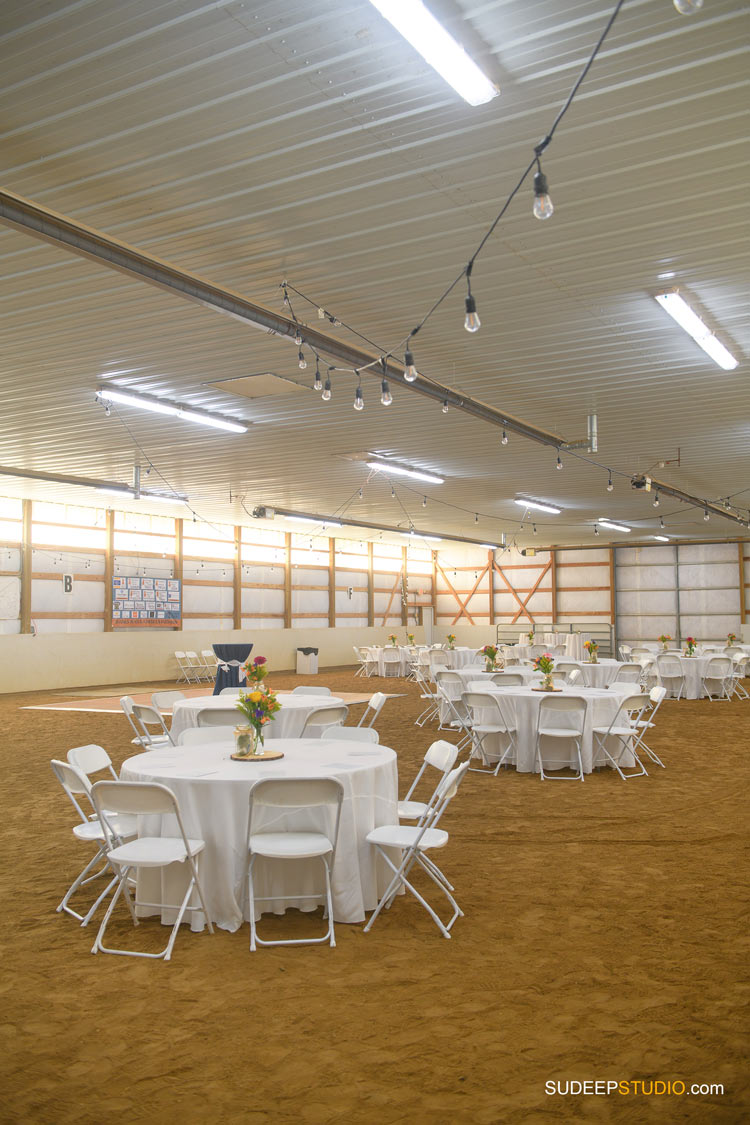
256,696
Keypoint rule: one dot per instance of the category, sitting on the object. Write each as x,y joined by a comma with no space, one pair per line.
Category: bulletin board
146,603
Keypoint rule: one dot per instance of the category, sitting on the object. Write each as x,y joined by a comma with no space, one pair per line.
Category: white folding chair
220,717
210,661
302,803
718,678
626,733
141,799
321,719
628,674
568,667
374,706
573,707
441,756
428,694
163,701
201,736
89,831
486,718
391,662
370,661
91,759
646,721
196,666
626,653
739,672
353,734
186,672
233,691
414,843
311,691
449,689
671,675
361,669
507,679
140,716
574,675
437,658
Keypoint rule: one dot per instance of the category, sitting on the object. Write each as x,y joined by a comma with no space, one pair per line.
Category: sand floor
604,938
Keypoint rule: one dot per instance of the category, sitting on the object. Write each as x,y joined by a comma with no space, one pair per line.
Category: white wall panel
600,554
708,576
207,599
266,575
310,601
646,602
707,602
10,600
262,623
645,577
310,623
583,603
262,601
582,575
640,628
307,576
216,623
708,553
709,628
48,596
62,625
356,604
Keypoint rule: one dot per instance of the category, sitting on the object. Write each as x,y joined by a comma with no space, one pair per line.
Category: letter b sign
67,581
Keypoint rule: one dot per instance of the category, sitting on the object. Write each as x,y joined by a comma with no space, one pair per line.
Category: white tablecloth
600,674
213,791
405,659
476,672
288,722
520,707
693,669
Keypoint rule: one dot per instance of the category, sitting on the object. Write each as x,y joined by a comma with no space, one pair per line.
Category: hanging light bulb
318,384
360,494
688,7
359,402
610,486
656,501
321,314
298,339
393,493
504,438
706,516
559,462
542,203
445,407
286,295
596,530
476,517
661,522
326,396
472,323
424,501
411,373
533,528
302,360
385,393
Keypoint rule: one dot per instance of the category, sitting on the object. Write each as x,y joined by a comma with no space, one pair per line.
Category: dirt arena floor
605,938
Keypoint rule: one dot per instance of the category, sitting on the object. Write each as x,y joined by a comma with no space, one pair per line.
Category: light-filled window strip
42,511
60,535
208,548
256,554
351,562
258,536
11,531
310,558
221,532
142,521
142,541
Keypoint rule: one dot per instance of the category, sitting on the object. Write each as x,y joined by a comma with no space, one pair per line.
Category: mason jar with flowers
393,640
545,664
451,639
731,639
489,652
530,635
690,644
592,649
410,638
258,706
665,639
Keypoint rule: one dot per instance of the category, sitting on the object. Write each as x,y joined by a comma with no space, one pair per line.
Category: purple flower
258,714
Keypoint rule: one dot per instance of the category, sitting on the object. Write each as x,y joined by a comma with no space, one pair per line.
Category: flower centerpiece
410,638
731,639
530,635
544,664
690,646
257,706
451,639
393,639
665,639
592,648
489,652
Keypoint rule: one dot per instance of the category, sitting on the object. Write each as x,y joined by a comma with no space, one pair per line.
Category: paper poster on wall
146,603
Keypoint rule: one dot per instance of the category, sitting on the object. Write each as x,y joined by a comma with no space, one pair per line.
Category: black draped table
230,658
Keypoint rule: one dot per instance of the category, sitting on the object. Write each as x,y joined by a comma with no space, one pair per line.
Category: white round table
213,791
287,723
693,669
520,707
401,666
600,674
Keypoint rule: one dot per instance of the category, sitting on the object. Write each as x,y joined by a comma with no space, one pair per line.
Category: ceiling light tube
604,522
403,471
690,322
661,538
537,506
158,406
318,523
438,48
489,546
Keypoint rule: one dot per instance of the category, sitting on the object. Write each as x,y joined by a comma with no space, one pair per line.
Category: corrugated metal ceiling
251,142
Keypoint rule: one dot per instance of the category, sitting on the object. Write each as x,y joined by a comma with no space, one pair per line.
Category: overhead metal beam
326,522
58,230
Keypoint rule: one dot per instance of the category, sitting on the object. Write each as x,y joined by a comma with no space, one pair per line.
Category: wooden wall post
26,568
237,579
491,576
179,534
109,569
404,587
331,583
553,559
743,599
434,588
288,580
612,603
370,588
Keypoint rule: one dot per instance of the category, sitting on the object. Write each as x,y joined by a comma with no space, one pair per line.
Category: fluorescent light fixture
538,507
661,538
421,535
489,546
159,406
438,48
404,471
688,320
604,522
318,523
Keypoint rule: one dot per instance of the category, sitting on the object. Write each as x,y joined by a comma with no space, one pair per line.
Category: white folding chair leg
601,745
329,936
400,880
